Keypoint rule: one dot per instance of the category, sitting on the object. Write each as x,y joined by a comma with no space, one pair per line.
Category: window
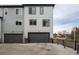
41,10
32,22
46,23
18,23
17,11
5,10
32,10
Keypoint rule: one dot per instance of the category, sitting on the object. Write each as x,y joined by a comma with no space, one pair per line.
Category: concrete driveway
35,49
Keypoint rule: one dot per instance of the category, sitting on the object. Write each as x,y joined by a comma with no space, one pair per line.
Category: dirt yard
35,49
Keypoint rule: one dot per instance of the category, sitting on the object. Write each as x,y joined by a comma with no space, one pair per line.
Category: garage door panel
39,37
13,38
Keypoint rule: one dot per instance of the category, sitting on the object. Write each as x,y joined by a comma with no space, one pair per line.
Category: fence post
64,43
77,49
75,45
57,41
52,40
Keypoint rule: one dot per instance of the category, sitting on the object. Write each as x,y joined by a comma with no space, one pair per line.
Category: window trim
46,20
17,11
31,11
6,11
33,22
18,23
41,10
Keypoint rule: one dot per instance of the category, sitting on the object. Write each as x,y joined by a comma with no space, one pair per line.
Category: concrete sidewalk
35,49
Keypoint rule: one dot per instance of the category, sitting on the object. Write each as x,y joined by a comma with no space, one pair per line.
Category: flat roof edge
39,5
4,6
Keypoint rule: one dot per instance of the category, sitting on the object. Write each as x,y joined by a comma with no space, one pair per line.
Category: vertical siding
1,15
0,28
10,21
1,12
48,14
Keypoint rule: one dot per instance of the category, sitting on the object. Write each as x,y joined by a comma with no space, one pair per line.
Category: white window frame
18,23
17,11
32,11
32,22
47,24
41,10
5,11
20,11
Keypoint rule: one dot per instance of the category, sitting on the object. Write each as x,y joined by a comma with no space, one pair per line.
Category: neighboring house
32,22
76,33
58,35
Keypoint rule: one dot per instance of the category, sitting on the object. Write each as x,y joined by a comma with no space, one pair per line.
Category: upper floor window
18,23
32,22
17,11
5,11
32,10
46,22
41,10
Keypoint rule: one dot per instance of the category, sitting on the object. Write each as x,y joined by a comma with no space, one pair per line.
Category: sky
65,17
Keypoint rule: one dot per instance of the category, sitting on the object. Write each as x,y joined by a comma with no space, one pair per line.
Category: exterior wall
1,15
0,29
9,21
48,14
1,12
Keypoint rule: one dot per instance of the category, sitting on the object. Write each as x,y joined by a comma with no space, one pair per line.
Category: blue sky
65,17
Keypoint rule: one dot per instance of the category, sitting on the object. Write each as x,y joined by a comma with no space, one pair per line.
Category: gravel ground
35,49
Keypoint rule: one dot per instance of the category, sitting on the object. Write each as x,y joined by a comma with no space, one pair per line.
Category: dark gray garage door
13,38
35,37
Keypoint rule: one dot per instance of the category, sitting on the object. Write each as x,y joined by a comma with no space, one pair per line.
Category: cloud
66,16
61,28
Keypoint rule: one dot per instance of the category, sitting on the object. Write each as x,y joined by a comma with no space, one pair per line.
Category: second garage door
35,37
13,38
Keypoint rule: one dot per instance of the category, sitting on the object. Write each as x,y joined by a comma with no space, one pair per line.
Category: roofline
9,6
38,5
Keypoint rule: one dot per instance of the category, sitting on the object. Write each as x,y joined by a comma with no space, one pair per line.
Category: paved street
35,49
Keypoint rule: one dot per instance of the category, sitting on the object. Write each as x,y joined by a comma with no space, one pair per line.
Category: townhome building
31,23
